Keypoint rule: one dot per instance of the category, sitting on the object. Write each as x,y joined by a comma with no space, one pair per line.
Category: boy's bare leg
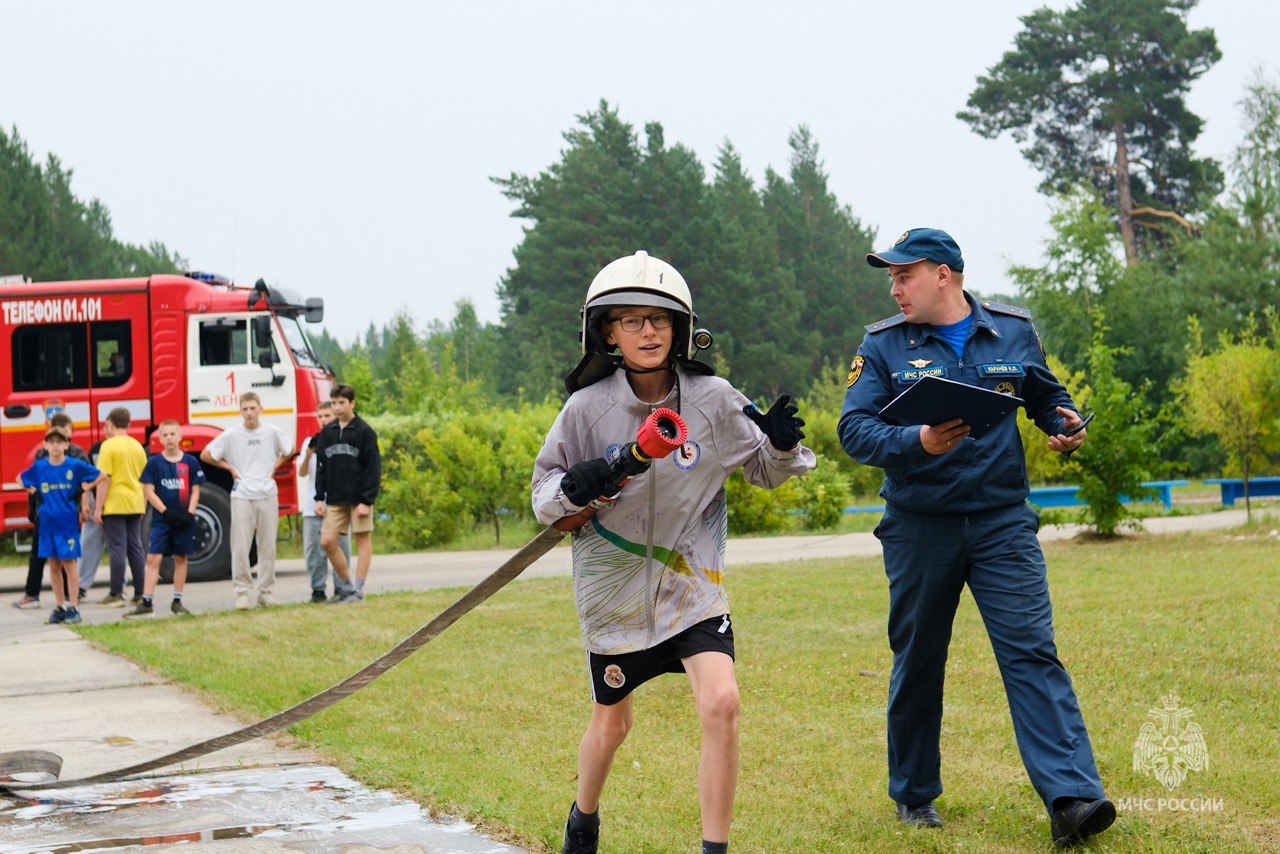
329,542
715,689
71,573
153,574
179,573
364,553
606,732
56,582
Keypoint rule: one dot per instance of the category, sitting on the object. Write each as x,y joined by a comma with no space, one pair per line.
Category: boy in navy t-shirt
171,484
60,481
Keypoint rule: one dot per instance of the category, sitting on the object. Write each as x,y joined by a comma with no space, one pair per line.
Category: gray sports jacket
652,565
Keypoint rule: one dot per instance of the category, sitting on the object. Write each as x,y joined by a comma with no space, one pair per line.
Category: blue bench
1065,496
1233,487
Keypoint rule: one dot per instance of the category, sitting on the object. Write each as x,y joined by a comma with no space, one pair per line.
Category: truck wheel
212,558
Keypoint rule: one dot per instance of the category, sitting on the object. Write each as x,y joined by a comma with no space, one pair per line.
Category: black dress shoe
1079,818
922,816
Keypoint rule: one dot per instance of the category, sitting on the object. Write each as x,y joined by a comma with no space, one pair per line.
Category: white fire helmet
641,279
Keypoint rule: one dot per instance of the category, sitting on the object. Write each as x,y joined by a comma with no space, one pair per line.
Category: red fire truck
167,346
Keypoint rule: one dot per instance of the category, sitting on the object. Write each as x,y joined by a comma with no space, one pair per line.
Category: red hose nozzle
661,433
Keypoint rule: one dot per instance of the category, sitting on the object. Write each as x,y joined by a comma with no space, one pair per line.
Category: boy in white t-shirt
252,452
314,554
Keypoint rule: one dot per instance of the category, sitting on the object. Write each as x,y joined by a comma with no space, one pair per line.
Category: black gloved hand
176,518
780,423
586,481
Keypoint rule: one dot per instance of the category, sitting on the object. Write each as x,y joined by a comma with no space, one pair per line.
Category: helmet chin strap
631,370
670,366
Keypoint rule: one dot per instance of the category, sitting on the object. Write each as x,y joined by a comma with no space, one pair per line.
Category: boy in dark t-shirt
171,484
59,481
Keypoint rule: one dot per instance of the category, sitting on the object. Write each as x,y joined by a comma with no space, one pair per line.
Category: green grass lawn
485,721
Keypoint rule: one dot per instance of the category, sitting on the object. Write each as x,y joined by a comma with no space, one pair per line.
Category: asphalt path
425,570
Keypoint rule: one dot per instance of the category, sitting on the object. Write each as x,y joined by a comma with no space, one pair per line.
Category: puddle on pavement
303,808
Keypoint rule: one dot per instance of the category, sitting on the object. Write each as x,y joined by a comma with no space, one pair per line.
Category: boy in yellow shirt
120,505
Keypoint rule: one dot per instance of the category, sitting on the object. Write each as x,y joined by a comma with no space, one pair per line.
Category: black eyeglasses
635,322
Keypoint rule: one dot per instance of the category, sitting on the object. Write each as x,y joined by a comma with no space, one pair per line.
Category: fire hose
660,434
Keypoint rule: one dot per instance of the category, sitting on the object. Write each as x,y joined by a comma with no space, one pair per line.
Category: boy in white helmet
648,568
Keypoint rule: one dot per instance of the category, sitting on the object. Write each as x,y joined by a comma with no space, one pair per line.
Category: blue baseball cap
921,244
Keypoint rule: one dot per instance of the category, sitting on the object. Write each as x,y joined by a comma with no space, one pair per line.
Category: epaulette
1001,308
887,323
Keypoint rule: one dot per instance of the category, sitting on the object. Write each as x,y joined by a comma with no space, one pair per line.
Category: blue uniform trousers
929,559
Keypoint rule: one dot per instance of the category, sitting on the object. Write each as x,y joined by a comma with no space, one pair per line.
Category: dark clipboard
933,400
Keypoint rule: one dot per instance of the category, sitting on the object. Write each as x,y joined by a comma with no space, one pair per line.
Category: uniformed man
956,514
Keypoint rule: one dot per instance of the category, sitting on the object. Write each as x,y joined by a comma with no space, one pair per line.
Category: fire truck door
49,373
227,359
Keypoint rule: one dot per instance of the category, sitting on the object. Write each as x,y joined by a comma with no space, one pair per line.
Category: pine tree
825,248
1100,90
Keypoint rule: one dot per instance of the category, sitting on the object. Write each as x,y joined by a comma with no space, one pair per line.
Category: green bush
753,510
824,493
420,511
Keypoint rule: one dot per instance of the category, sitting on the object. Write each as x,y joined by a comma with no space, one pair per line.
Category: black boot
924,815
1076,819
581,832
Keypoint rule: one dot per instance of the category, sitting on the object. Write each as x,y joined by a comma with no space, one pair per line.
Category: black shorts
613,677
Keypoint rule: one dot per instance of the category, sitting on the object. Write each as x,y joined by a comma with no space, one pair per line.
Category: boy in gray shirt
252,452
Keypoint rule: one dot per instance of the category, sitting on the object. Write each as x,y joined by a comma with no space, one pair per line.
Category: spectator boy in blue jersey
60,482
61,422
171,485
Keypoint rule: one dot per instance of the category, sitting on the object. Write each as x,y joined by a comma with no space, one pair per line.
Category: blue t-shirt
59,487
955,333
173,481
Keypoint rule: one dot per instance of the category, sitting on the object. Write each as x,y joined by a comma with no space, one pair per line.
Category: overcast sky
345,149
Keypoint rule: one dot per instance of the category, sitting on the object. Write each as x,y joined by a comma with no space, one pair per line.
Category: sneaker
581,833
115,600
84,595
178,608
317,596
27,603
267,599
142,609
73,616
353,597
243,602
136,600
58,615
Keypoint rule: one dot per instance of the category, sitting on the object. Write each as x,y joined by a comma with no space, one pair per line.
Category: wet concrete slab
303,808
100,713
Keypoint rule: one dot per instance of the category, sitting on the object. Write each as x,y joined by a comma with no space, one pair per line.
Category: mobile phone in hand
1083,424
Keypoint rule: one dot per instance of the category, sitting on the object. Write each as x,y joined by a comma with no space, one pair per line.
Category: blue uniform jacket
1003,353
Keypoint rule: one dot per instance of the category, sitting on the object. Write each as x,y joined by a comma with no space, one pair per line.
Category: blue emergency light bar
211,278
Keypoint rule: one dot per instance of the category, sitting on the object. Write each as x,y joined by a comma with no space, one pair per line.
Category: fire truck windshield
299,344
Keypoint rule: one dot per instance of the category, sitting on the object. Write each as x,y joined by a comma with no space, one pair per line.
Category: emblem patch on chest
1005,388
613,452
687,455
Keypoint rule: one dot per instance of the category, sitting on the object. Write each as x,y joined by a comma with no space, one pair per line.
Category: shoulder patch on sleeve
889,322
1001,308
